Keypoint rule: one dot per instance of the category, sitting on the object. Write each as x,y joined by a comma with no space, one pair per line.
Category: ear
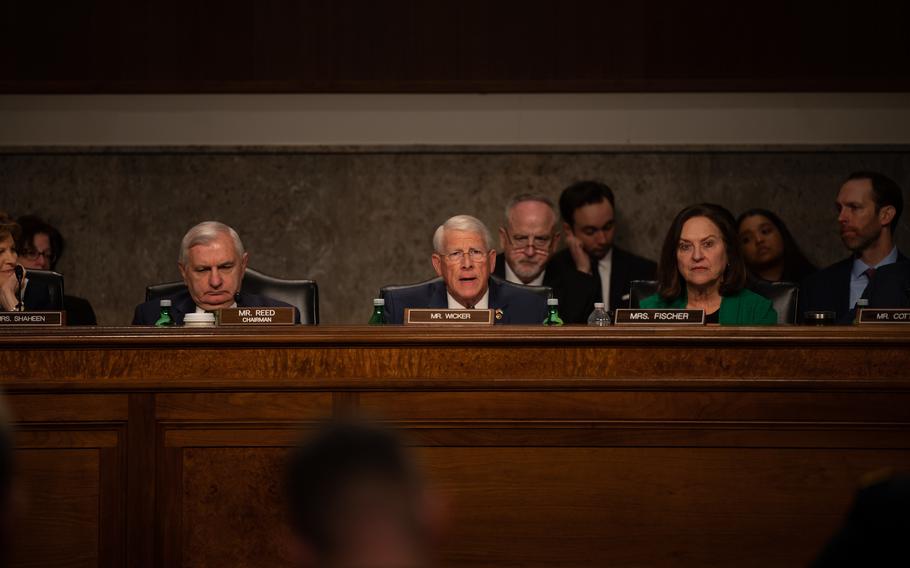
555,242
437,263
182,271
567,229
886,214
491,256
503,238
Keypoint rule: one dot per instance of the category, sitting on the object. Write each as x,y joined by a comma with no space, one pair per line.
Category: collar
482,304
859,267
607,260
512,277
202,311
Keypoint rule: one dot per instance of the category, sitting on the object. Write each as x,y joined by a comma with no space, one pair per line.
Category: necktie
870,273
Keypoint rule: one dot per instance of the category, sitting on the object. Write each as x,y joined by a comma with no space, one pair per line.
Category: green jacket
743,308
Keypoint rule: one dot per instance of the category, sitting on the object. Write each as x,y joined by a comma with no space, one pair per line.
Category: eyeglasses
458,255
540,244
33,255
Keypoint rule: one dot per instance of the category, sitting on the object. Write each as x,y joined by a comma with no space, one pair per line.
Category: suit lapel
438,299
497,303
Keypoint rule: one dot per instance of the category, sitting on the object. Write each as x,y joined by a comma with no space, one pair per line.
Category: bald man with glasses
528,238
464,258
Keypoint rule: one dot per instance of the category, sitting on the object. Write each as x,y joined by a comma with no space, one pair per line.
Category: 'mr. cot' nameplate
889,315
431,316
32,319
638,316
256,316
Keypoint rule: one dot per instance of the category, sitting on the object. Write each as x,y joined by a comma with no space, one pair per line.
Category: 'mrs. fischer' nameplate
438,316
256,316
638,316
882,315
32,319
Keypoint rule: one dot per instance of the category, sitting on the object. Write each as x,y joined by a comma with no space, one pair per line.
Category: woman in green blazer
701,268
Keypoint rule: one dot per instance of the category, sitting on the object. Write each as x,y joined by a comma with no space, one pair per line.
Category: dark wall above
400,46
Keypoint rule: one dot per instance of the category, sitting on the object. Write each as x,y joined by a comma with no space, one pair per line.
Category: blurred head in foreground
356,500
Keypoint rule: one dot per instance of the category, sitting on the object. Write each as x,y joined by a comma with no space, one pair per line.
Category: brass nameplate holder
32,319
256,316
639,316
448,317
884,315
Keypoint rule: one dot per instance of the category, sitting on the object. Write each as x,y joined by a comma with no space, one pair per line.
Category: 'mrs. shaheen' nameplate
884,315
256,316
639,316
32,319
448,317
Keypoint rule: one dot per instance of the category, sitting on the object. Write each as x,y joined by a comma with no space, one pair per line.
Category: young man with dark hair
869,205
590,269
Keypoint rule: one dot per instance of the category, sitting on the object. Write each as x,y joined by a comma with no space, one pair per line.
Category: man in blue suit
869,206
464,258
212,262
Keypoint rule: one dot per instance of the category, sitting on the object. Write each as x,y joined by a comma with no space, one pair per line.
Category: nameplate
256,316
32,319
882,315
448,317
638,316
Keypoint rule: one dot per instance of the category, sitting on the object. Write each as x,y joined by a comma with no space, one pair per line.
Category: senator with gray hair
461,223
203,234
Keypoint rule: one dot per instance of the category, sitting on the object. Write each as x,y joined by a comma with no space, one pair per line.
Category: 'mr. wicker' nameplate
32,318
882,315
256,316
436,316
638,316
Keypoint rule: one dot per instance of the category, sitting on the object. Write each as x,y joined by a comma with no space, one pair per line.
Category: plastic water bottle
378,317
599,317
553,312
164,316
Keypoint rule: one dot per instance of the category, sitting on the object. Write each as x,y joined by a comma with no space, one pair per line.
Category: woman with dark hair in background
41,247
768,248
701,268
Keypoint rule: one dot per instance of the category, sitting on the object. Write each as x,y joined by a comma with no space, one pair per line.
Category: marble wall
354,219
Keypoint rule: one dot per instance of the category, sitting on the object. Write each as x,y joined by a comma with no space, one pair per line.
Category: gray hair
203,234
521,198
462,223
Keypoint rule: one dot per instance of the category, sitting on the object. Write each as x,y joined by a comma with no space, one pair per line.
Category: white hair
203,234
461,223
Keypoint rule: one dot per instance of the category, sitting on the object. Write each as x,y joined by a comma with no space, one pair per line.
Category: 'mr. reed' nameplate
884,315
32,319
256,316
448,317
638,316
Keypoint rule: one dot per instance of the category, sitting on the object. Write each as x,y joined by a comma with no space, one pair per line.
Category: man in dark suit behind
590,269
891,287
212,262
869,207
464,258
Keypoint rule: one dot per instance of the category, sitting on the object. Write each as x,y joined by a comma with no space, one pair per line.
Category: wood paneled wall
450,46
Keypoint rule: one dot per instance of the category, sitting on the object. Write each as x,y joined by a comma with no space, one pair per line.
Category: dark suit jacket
578,291
518,306
182,303
891,287
79,311
829,290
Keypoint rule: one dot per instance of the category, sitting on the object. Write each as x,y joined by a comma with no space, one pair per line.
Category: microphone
20,273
